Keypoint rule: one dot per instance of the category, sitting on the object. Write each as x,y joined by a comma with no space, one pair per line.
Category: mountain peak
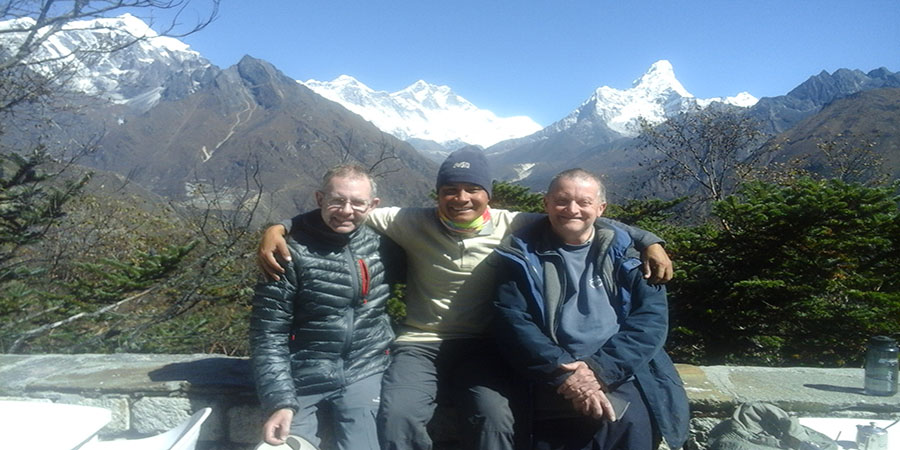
147,66
345,79
660,77
130,25
421,89
662,68
126,22
343,83
424,111
656,95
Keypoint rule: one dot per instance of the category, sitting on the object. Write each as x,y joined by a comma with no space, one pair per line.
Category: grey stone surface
244,424
703,393
149,394
153,415
118,406
214,428
123,373
812,391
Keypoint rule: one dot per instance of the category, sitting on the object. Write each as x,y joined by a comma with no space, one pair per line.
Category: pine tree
798,263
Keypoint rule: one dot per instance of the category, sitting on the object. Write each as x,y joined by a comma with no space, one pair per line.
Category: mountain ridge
254,118
169,102
780,113
424,111
610,114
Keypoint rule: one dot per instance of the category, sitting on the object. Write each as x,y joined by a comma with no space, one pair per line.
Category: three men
446,345
320,334
579,321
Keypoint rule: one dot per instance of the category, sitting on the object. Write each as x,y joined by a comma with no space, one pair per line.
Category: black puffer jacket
323,325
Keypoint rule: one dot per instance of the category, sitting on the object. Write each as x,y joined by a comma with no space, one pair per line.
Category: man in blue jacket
579,321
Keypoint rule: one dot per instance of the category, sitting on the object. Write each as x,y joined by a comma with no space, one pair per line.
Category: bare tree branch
30,24
46,328
712,150
387,153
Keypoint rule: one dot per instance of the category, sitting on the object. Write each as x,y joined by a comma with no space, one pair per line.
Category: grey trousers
352,409
468,373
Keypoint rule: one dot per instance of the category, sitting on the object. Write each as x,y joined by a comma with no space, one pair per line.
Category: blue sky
542,58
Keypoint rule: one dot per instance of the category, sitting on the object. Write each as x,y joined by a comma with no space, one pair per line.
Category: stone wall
148,394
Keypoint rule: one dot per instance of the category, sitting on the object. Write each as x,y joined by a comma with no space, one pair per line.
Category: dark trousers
470,373
633,431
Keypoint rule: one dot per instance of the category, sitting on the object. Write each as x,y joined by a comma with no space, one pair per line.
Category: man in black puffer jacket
320,334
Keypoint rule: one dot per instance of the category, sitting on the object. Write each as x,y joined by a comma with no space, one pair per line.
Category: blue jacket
531,289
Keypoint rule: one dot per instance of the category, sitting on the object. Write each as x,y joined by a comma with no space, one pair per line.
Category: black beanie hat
466,165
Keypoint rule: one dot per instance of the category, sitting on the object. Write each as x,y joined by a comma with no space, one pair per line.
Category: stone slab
807,389
122,373
703,394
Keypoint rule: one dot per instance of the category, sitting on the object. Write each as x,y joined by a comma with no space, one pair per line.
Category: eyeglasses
355,204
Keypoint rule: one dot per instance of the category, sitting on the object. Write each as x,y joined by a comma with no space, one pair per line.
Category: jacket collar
486,230
311,225
538,238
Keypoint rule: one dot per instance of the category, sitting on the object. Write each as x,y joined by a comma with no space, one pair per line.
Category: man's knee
491,426
404,411
395,414
488,410
401,426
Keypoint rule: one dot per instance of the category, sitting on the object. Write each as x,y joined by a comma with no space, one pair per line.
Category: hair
579,174
349,171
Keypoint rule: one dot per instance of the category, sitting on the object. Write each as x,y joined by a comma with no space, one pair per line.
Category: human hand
585,391
596,405
581,382
272,245
657,266
278,426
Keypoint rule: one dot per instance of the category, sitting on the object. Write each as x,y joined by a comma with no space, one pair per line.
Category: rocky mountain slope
783,112
253,122
866,123
599,135
165,118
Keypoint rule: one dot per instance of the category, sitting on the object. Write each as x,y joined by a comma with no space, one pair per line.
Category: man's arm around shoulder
657,267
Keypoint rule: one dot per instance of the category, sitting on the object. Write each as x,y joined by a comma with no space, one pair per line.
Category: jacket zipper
364,277
512,251
562,296
361,277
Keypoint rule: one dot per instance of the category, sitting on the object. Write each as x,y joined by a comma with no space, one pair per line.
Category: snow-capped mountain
424,111
606,120
137,76
609,115
655,96
163,67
